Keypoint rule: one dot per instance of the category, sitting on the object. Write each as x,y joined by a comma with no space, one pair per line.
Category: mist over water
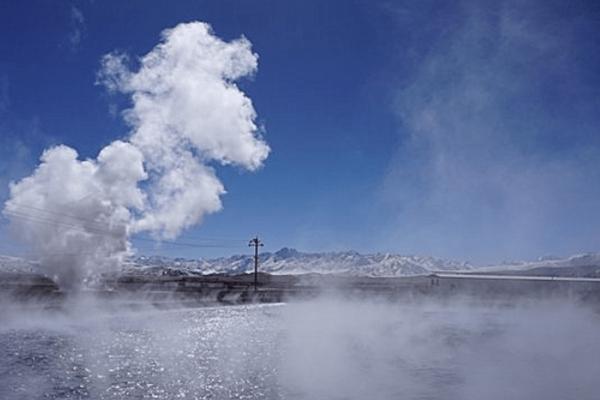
321,349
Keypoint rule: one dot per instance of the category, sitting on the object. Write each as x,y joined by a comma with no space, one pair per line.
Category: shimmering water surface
315,350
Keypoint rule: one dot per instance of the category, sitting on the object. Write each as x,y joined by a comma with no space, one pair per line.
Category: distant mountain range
580,265
290,261
17,265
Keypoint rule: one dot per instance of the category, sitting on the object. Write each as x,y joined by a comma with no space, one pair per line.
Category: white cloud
77,26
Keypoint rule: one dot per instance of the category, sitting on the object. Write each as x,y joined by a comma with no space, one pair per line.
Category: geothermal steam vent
186,114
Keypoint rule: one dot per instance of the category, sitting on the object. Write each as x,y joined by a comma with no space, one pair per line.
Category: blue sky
466,130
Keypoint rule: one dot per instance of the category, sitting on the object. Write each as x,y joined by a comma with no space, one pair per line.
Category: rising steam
500,157
186,113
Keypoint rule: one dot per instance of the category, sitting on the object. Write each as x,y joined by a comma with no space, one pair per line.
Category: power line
99,231
47,211
53,222
160,241
102,227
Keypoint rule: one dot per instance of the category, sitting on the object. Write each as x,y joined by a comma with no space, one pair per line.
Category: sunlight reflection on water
328,350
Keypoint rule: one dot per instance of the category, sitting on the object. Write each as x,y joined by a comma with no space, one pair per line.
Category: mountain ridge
293,262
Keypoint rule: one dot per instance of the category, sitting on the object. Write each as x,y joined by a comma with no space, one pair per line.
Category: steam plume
187,113
500,158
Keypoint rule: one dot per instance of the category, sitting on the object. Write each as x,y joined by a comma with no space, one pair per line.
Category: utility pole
256,243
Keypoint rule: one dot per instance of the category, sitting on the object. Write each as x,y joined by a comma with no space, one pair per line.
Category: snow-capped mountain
290,261
578,260
582,265
17,265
